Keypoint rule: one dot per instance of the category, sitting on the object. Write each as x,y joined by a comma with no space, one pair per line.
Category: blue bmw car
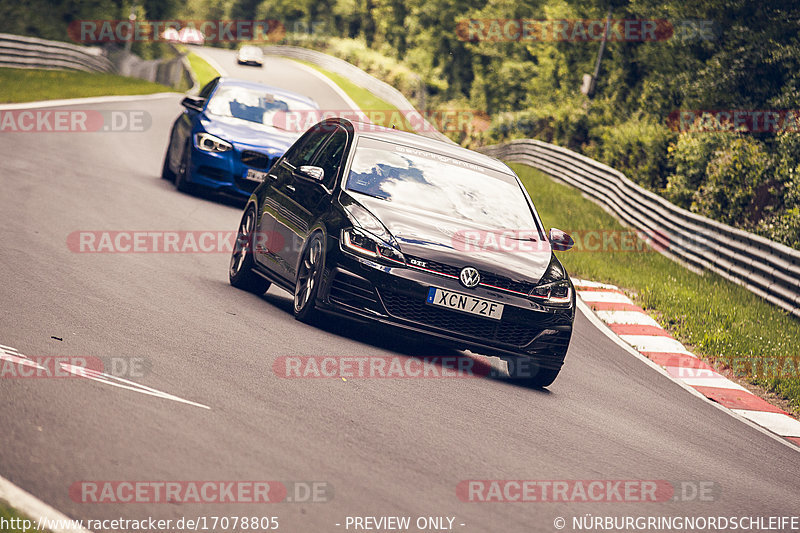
228,136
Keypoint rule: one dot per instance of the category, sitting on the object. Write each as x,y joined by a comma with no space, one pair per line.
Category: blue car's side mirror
194,103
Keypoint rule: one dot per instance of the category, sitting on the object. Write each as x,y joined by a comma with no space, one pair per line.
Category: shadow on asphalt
206,194
395,340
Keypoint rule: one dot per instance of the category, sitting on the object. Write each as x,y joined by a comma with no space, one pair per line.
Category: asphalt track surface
394,447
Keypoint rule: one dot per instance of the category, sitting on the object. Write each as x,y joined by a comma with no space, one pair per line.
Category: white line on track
12,355
86,101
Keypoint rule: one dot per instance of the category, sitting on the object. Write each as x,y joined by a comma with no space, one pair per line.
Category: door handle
290,187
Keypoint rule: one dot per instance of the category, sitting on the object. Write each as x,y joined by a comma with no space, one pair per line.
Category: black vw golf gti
396,228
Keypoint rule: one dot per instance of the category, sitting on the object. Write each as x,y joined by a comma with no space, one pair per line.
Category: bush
737,185
636,147
690,155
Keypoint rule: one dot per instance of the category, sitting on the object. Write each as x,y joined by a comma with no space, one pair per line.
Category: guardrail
30,52
766,268
361,78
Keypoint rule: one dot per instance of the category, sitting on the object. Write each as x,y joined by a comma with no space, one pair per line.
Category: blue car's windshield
435,183
251,105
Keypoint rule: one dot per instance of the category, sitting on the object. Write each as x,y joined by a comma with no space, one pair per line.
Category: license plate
256,175
465,303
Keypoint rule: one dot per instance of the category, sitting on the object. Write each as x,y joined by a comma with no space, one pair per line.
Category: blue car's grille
255,159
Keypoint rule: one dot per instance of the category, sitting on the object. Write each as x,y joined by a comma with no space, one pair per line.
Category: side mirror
560,240
311,172
195,103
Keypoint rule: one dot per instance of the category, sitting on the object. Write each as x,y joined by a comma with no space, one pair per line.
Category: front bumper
397,297
224,171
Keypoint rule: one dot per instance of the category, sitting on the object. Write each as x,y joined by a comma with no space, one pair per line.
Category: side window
330,157
303,151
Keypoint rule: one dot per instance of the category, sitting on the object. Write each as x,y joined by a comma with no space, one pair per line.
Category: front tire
240,273
309,278
166,172
526,372
182,176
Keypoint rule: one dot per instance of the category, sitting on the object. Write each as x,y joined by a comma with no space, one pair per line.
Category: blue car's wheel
166,172
182,176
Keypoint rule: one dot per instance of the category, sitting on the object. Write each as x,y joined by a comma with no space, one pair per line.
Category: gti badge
470,277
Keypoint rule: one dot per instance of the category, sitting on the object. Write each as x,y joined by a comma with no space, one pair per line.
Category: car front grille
255,159
488,279
513,329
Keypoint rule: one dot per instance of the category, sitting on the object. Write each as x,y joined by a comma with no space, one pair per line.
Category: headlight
209,143
554,288
362,243
367,221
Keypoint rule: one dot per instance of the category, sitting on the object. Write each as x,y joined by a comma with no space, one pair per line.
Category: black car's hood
250,133
440,238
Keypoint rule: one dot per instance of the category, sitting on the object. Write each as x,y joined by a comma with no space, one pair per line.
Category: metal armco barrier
17,51
766,268
29,52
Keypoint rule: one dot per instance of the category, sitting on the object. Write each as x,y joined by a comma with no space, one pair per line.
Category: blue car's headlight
209,143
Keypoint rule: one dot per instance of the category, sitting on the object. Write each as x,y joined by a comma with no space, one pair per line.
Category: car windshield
252,105
435,183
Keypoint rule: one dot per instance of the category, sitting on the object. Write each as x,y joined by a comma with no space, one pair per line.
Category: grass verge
29,85
203,71
12,521
378,110
720,321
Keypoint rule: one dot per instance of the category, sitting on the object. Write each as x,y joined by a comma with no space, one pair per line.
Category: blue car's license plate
255,175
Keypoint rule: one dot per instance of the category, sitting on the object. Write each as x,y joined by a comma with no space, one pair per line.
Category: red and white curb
645,335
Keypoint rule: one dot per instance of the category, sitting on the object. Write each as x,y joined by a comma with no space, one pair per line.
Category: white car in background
189,35
171,35
250,55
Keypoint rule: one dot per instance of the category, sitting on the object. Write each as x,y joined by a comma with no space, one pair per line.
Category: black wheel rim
306,277
243,241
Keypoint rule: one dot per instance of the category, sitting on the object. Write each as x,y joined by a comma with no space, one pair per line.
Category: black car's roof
414,140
